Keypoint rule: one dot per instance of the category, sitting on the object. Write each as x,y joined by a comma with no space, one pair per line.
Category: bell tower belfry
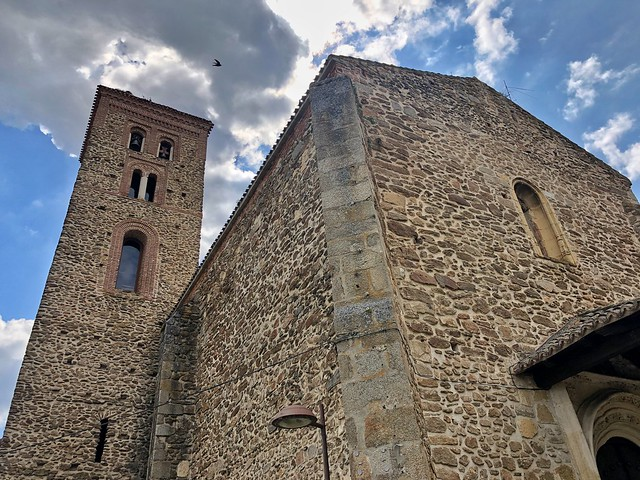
129,245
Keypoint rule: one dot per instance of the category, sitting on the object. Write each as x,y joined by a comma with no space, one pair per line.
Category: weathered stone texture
381,421
379,264
444,153
172,430
264,294
93,350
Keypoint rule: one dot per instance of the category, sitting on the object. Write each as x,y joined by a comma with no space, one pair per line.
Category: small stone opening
102,439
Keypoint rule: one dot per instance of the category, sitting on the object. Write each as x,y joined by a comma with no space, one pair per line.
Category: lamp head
294,416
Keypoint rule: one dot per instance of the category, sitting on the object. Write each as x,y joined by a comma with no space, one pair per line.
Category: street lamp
297,416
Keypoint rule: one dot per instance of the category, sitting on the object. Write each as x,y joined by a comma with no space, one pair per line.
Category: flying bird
216,63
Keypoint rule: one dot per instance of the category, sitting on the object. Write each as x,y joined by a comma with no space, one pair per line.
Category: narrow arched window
151,188
165,149
134,189
129,267
133,259
136,140
547,236
102,439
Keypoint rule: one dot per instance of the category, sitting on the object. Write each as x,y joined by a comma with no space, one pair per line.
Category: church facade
450,278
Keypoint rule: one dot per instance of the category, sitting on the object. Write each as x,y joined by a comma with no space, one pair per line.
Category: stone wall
264,293
444,153
93,350
380,265
174,407
382,430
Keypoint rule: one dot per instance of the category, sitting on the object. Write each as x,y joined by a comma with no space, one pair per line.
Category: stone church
451,281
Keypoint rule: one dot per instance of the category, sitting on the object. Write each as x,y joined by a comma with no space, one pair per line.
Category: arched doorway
618,459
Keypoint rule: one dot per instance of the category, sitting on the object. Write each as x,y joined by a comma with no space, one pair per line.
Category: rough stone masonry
381,263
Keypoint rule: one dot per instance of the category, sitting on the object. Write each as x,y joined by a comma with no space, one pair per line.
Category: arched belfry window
151,187
547,236
129,268
165,150
134,188
143,185
136,140
142,181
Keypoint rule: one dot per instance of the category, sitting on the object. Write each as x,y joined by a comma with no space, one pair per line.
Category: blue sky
572,63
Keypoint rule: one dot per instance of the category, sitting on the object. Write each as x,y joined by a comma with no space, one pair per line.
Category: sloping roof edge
253,185
575,329
325,71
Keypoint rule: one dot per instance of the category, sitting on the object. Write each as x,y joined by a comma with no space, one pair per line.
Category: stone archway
610,421
618,459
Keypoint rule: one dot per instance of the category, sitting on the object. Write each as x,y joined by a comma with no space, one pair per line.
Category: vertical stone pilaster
382,429
565,413
173,416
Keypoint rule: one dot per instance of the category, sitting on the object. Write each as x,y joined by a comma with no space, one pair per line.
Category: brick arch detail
146,169
146,234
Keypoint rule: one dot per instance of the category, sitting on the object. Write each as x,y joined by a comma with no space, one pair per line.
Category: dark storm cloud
55,53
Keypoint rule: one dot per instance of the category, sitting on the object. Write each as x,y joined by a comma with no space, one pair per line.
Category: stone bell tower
129,245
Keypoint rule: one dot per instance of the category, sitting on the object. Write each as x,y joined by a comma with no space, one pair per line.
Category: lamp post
297,416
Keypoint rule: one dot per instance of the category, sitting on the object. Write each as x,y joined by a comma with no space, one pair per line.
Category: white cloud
584,77
48,81
139,63
546,36
14,335
316,22
407,27
326,25
606,140
231,181
493,42
373,29
4,413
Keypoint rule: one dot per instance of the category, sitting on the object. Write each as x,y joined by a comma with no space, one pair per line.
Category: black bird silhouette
216,63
